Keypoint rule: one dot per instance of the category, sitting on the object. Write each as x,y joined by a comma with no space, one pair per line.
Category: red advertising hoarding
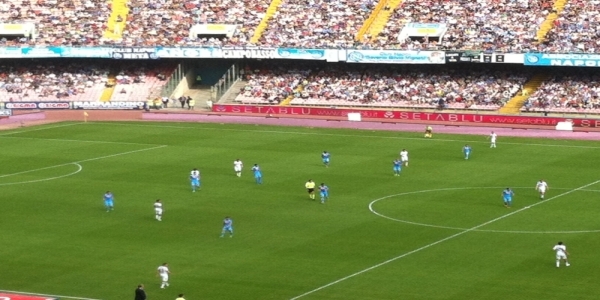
402,115
4,296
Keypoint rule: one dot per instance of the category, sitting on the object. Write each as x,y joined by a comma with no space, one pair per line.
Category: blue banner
568,60
396,57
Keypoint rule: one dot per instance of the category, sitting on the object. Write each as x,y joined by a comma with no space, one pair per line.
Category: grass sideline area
437,231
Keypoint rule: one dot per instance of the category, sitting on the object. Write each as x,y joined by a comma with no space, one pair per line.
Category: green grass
57,238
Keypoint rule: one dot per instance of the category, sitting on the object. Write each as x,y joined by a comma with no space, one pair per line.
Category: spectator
140,294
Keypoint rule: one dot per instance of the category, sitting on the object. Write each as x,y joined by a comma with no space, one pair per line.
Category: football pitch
437,231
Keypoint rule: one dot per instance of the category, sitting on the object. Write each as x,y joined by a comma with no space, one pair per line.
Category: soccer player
325,156
109,201
158,210
541,187
180,297
324,191
227,227
237,167
561,254
492,138
310,187
428,132
163,272
397,167
467,151
195,179
507,195
257,174
404,157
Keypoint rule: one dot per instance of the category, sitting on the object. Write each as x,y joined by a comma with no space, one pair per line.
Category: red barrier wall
402,115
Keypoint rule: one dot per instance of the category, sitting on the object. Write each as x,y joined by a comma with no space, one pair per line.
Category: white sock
567,264
558,263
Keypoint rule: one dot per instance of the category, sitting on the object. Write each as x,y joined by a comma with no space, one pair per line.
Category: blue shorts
324,195
108,203
325,160
507,199
397,169
228,228
196,182
257,175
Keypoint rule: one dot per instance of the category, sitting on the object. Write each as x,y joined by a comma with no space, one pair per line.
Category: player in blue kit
109,201
195,179
324,191
507,195
257,174
467,151
227,227
397,167
325,156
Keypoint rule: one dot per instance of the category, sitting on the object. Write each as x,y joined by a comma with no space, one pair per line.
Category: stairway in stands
117,20
111,85
377,20
291,97
548,24
513,106
262,26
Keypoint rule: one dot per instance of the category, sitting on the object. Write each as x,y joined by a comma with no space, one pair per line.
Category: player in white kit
158,210
237,167
493,137
541,187
163,272
561,254
404,157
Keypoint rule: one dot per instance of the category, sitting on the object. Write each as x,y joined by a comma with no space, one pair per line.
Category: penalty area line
472,229
46,295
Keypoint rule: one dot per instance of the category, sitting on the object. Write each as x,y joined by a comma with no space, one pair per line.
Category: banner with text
108,105
395,57
403,115
568,60
37,105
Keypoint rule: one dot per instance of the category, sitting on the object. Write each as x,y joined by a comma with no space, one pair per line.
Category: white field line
79,168
46,295
85,160
38,129
80,141
440,241
483,140
478,230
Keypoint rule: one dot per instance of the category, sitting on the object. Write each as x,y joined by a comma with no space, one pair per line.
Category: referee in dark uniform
140,294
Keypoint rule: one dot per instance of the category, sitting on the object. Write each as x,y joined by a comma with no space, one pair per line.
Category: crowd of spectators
58,23
493,25
270,86
69,80
168,22
387,87
48,82
576,30
317,23
566,92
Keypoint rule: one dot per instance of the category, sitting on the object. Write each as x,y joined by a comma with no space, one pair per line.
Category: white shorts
493,141
158,211
561,256
164,277
237,169
404,159
542,190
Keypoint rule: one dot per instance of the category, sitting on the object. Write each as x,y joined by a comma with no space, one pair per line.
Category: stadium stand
508,26
576,29
385,86
78,81
568,91
317,23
